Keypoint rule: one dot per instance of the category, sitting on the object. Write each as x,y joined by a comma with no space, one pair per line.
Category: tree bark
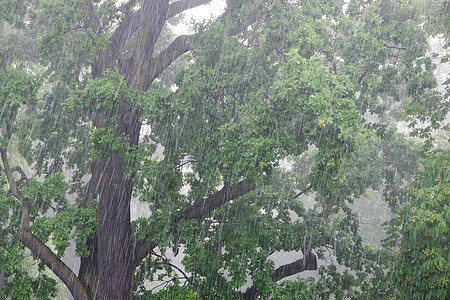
114,256
2,282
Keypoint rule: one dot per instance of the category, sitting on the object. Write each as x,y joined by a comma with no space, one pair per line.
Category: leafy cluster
422,263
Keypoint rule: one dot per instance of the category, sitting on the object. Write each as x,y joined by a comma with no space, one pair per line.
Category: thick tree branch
182,5
131,24
9,176
60,269
308,262
36,246
156,12
158,64
125,8
143,248
118,41
155,66
198,211
226,194
6,131
151,68
151,17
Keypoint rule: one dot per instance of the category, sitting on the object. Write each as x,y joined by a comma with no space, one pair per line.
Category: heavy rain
224,149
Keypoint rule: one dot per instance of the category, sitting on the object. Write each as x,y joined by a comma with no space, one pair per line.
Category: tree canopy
254,135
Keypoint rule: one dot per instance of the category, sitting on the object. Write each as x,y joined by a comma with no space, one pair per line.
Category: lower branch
197,211
33,243
308,262
60,269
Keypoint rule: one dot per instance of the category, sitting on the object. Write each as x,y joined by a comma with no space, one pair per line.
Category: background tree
422,224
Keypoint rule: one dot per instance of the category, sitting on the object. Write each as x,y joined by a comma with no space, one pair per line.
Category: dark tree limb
133,21
198,211
146,67
153,67
155,12
118,41
6,131
396,47
226,194
301,193
308,262
158,64
151,18
57,266
36,246
23,176
182,5
326,212
125,8
362,77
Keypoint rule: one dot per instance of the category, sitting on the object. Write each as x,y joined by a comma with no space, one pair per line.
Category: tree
268,79
422,224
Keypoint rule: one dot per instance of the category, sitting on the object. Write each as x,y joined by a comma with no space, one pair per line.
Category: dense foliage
420,270
264,139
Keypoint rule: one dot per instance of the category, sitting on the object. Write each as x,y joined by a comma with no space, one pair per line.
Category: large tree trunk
114,257
114,260
108,272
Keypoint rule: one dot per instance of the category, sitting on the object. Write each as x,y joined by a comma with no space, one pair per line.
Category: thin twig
166,261
185,163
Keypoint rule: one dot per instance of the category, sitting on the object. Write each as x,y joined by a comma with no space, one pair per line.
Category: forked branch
147,13
33,243
158,64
